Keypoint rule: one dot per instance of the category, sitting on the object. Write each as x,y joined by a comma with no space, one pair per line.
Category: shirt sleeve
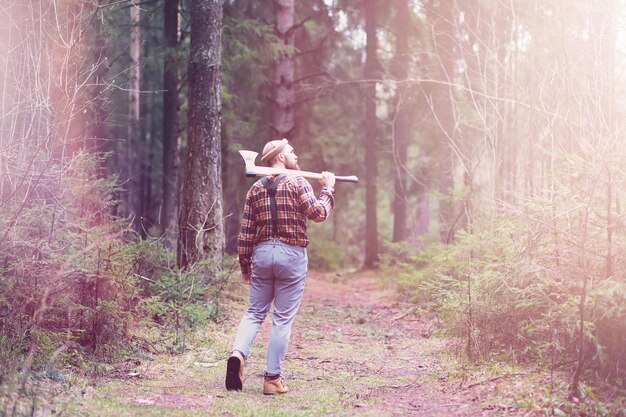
245,244
315,208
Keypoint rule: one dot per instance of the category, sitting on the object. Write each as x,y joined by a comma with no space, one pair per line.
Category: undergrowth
499,293
78,288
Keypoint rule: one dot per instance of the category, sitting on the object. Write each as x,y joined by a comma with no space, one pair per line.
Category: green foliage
64,269
10,355
77,286
179,303
324,256
177,300
329,250
496,295
471,285
553,401
249,50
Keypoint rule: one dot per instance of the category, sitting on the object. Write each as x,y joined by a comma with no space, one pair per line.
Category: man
273,259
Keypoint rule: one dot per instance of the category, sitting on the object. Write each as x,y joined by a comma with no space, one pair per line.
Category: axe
255,171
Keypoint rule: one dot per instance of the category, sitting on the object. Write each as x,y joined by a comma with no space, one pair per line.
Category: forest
486,136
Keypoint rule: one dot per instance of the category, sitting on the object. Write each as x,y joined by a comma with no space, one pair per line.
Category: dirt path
385,344
354,351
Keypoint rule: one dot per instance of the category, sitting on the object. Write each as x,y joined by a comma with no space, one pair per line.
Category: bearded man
273,259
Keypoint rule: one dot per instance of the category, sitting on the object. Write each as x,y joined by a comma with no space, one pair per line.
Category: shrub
177,300
499,290
67,281
324,256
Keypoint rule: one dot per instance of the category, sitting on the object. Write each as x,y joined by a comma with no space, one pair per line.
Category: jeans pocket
261,254
292,253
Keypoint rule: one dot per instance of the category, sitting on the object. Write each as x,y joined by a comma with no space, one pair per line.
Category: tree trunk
401,122
422,218
134,144
442,20
371,137
284,94
201,230
171,139
98,131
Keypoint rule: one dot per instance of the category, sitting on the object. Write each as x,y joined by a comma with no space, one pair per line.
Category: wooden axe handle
260,171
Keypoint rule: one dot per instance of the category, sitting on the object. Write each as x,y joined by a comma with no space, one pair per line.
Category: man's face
291,159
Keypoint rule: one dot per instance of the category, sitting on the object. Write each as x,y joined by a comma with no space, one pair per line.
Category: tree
201,230
99,109
402,118
442,66
284,93
371,72
171,138
134,144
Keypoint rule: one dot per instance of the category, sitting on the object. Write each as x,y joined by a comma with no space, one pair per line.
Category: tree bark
284,93
171,139
371,137
422,218
134,144
98,129
401,122
201,230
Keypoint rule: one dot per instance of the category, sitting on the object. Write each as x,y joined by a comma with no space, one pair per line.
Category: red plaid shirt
296,202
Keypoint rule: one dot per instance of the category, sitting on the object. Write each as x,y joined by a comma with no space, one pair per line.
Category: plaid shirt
296,202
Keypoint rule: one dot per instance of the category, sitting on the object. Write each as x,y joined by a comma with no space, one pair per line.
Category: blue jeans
278,275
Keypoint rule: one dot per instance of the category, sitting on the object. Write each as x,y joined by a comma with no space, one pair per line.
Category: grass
323,376
347,357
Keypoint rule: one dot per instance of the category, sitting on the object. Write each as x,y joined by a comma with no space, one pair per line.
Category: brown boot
274,386
234,372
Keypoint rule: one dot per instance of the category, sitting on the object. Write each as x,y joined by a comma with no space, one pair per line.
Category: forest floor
355,350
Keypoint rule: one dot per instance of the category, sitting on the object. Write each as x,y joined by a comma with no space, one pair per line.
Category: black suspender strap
271,191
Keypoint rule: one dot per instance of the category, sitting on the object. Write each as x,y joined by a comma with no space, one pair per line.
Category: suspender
271,191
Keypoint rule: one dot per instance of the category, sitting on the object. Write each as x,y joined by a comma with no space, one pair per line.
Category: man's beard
292,165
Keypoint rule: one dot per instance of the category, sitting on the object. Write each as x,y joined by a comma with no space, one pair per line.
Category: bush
498,290
67,280
324,256
180,303
75,287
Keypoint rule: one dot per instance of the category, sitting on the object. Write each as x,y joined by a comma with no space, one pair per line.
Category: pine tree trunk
422,217
401,128
201,230
98,130
134,142
284,94
371,138
171,139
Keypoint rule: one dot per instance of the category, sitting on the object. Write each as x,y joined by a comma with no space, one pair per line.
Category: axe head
249,157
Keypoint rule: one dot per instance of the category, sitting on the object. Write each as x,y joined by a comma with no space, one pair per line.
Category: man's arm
246,239
314,208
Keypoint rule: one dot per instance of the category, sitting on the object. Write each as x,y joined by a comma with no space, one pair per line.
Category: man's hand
328,179
247,277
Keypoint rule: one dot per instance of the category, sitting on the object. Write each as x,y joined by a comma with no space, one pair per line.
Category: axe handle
263,171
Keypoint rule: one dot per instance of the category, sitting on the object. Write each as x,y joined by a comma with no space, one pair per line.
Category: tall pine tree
201,230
